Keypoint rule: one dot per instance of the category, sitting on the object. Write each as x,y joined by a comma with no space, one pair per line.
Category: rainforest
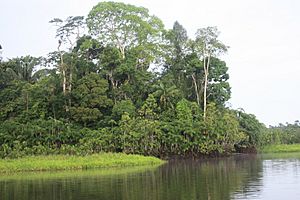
120,82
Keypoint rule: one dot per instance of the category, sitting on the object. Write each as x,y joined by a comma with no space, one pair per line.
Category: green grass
63,162
281,148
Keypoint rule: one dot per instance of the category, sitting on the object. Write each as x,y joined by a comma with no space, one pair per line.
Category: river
267,177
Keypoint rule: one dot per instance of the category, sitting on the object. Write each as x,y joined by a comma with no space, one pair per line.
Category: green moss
281,148
63,162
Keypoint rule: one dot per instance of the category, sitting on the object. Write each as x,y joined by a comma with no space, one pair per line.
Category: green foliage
68,28
22,68
282,134
168,96
251,127
95,141
129,26
101,94
89,99
122,107
222,127
149,109
218,89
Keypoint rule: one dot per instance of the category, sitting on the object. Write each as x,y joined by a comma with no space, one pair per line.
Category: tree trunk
70,81
64,80
196,88
206,68
63,70
70,86
122,49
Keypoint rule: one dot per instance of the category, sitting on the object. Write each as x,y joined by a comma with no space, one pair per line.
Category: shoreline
65,162
112,160
280,148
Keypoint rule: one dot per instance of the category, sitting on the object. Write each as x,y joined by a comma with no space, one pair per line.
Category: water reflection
211,179
238,177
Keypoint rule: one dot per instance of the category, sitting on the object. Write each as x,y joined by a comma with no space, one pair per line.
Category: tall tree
68,31
124,26
131,39
176,51
179,39
208,45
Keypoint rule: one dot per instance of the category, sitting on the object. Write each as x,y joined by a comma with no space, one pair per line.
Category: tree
23,68
131,38
90,99
175,54
68,32
149,109
166,95
194,72
223,128
207,46
122,107
218,90
251,127
124,26
179,39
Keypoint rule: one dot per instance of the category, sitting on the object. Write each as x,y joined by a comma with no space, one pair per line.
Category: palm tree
26,68
166,94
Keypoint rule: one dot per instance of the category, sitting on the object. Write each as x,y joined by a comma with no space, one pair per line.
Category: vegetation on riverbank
61,162
99,91
281,148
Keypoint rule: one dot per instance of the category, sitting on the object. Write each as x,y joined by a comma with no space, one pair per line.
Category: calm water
239,177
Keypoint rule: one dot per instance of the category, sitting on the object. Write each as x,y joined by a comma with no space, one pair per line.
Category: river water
267,177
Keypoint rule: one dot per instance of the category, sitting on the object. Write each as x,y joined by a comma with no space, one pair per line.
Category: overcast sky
263,35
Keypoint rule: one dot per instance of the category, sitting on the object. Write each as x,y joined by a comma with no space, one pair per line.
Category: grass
63,162
281,148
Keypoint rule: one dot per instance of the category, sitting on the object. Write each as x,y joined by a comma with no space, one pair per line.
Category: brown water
238,177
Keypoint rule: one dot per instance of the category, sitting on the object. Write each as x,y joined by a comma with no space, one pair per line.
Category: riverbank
64,162
281,148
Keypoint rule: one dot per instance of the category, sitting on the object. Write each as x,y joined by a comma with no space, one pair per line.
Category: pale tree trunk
64,81
112,80
63,71
122,49
206,68
70,86
71,67
65,86
113,84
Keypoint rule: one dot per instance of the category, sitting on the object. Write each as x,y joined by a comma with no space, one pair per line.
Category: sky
263,35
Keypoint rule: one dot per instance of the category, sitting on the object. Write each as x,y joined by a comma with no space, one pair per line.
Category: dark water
239,177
